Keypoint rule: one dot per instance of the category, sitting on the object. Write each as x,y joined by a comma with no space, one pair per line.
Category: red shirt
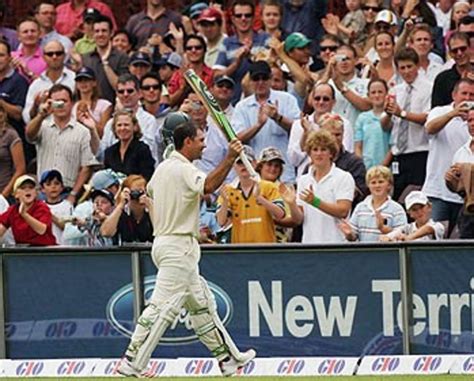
69,19
22,232
177,80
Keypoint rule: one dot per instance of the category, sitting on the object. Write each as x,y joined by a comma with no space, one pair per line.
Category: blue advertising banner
443,300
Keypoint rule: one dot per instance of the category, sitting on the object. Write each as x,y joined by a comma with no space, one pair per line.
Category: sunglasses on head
331,48
243,15
150,87
371,8
260,77
128,91
318,98
194,47
58,53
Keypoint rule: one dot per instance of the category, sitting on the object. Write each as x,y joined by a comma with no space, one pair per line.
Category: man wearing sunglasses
55,73
458,45
128,98
235,56
264,119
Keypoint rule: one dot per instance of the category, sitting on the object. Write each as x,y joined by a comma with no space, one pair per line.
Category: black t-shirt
129,230
443,87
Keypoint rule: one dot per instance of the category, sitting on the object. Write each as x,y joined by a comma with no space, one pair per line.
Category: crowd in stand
360,124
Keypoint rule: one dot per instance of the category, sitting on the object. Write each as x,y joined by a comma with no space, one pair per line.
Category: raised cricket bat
200,88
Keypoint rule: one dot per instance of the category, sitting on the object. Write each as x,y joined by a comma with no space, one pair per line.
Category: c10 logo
385,364
112,367
198,367
331,366
71,367
291,367
156,368
29,368
468,365
427,364
247,369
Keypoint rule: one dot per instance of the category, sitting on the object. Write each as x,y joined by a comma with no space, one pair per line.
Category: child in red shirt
30,219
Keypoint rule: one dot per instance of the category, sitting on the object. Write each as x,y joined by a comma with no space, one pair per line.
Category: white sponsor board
463,365
156,368
197,367
422,364
49,368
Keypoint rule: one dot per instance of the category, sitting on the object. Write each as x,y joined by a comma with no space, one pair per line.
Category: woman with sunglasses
129,155
194,53
370,8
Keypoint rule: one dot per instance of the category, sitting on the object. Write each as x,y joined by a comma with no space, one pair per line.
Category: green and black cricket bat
200,88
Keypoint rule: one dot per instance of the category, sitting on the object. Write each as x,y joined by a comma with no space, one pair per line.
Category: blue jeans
445,211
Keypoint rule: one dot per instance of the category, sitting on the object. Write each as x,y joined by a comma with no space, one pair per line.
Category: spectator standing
129,155
151,88
107,62
384,44
103,204
52,187
265,118
407,107
124,41
12,159
30,219
55,73
9,35
139,64
131,217
70,16
210,26
45,14
28,59
62,142
156,18
458,45
272,14
235,57
448,131
86,44
326,192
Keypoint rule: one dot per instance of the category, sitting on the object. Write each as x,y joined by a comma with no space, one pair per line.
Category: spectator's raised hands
307,195
330,23
288,193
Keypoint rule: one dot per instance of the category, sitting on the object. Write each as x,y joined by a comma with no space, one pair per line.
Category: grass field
272,378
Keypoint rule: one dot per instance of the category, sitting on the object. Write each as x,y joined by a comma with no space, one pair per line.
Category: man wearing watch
406,109
107,62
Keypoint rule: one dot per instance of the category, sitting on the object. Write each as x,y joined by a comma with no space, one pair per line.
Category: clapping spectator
30,219
123,41
129,155
131,217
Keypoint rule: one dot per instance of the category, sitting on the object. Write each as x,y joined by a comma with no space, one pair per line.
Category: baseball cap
104,179
260,67
172,59
91,14
50,175
195,10
271,153
415,197
211,15
224,78
296,40
22,180
104,193
139,58
386,16
85,72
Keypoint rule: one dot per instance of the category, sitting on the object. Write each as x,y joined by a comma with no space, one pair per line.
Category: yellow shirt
251,222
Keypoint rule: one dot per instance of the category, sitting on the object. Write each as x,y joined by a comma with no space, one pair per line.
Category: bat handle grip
248,165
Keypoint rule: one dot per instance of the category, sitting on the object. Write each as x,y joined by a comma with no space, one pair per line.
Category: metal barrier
33,276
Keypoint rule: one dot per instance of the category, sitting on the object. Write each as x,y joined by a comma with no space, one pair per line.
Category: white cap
386,16
415,197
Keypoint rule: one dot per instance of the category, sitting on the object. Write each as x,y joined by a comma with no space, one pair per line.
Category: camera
469,105
340,57
57,104
136,194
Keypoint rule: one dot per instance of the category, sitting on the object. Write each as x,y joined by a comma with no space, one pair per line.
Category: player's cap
269,154
104,193
210,15
386,16
20,181
260,68
138,58
196,9
51,174
173,59
91,14
248,151
85,72
104,179
414,198
296,40
224,78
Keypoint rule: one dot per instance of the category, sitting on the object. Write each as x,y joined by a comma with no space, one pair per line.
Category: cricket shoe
126,369
231,365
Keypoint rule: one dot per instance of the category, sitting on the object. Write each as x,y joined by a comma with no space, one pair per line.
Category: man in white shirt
406,111
447,128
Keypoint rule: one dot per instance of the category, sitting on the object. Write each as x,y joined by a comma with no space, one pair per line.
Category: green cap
296,40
